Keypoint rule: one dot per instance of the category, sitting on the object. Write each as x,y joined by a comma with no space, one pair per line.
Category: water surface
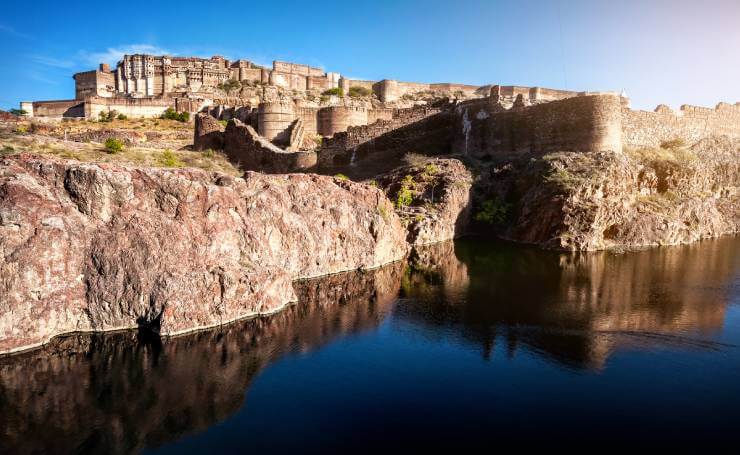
468,344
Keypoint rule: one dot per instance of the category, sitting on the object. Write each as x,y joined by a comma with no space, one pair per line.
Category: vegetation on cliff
600,200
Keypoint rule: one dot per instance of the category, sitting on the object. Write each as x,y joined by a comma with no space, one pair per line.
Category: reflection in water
574,308
123,392
119,392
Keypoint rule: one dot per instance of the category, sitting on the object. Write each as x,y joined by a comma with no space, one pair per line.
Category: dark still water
471,344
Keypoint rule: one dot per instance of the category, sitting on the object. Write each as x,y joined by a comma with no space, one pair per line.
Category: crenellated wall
691,123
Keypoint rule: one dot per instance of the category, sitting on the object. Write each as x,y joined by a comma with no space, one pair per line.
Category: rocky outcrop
432,199
208,133
246,148
603,200
88,247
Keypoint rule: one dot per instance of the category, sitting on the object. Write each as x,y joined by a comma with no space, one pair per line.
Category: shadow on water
123,392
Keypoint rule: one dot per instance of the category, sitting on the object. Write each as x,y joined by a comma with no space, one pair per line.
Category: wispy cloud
39,77
113,54
53,62
5,29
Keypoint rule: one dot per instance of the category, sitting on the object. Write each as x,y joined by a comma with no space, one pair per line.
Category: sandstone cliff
602,200
101,247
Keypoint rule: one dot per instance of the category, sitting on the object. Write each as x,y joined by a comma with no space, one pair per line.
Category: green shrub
336,91
223,122
122,117
18,112
113,145
359,92
169,159
431,169
209,153
171,114
21,129
405,195
341,177
7,150
673,144
493,212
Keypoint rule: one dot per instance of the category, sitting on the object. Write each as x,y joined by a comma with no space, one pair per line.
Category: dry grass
416,159
147,124
92,152
651,155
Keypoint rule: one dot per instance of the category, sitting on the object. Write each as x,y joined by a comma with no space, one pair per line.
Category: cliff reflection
116,393
575,309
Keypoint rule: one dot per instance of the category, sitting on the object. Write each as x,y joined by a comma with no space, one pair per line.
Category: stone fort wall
581,123
691,123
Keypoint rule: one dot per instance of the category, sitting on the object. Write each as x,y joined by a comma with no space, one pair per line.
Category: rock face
97,247
432,199
602,200
208,133
246,148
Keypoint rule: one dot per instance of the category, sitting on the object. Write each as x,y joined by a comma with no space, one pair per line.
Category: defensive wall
580,123
690,123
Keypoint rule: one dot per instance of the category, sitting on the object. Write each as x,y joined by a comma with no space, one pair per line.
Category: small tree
18,112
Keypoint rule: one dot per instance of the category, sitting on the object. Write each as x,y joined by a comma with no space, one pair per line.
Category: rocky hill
95,247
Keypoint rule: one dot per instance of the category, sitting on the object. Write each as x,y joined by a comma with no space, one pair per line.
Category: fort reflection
117,393
575,309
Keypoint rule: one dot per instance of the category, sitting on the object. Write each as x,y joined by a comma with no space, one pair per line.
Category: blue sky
659,51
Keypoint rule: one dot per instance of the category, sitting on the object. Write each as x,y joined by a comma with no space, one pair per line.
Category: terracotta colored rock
604,200
87,247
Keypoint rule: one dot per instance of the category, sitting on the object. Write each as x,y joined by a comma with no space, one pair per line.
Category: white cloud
113,55
53,62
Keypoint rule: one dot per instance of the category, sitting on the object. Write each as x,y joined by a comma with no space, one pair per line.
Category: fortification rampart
581,123
691,124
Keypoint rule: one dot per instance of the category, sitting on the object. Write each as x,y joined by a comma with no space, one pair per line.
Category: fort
334,120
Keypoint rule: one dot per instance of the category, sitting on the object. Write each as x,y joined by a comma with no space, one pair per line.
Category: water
466,345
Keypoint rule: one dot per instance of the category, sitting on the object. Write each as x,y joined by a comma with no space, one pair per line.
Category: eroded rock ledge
93,247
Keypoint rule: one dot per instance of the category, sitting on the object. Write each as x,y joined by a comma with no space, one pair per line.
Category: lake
471,344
